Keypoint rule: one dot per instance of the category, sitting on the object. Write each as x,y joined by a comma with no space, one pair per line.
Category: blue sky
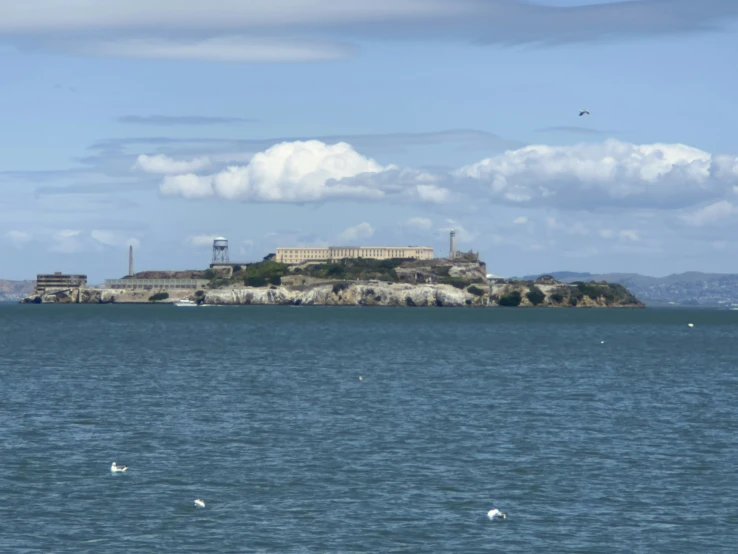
300,122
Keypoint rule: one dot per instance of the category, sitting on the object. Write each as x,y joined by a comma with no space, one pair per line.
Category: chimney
130,261
452,249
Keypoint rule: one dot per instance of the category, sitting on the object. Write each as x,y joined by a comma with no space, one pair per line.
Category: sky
387,122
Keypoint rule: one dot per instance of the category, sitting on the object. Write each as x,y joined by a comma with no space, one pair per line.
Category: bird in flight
583,112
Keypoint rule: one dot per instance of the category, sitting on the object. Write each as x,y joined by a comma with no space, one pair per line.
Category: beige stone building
298,255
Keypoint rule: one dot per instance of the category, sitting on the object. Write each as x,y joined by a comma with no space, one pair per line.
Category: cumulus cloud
19,238
463,235
361,231
629,234
164,164
201,240
522,220
713,213
607,174
67,241
418,224
299,171
111,238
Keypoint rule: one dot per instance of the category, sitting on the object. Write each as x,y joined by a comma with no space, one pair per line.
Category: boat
185,302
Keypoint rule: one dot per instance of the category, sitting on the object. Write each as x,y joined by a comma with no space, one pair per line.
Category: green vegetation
262,273
361,269
535,295
158,296
256,281
511,299
443,270
475,290
455,282
610,292
557,297
338,287
200,293
237,268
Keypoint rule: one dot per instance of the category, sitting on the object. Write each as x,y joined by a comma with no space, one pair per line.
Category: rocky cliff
545,292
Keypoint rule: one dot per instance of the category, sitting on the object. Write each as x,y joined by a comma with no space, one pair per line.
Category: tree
511,299
535,295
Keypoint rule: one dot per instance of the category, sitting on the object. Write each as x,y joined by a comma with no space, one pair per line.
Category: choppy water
628,446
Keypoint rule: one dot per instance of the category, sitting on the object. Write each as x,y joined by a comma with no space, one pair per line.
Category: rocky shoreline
544,292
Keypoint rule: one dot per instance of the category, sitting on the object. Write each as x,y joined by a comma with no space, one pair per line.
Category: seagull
200,503
494,514
690,324
116,468
583,112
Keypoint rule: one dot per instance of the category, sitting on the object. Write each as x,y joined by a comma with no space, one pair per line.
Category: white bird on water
494,514
690,324
200,503
115,468
583,112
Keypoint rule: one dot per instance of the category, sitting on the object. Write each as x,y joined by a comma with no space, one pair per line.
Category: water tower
220,250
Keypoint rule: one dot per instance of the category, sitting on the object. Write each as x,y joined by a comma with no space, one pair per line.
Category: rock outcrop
542,293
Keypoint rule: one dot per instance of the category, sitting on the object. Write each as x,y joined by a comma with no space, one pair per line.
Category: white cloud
19,238
164,164
484,22
522,220
433,194
67,241
246,247
710,214
463,235
361,231
287,172
216,15
218,49
629,234
201,240
607,174
418,223
110,238
189,186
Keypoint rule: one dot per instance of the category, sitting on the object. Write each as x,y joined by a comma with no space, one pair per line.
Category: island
350,282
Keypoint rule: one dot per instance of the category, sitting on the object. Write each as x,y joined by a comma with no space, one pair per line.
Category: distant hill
692,288
13,291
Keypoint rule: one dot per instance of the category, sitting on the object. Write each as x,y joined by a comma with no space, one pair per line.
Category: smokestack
130,261
452,249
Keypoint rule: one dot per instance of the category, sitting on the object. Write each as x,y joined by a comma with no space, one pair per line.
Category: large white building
298,255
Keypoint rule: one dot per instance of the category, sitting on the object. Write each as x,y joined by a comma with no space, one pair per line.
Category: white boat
185,302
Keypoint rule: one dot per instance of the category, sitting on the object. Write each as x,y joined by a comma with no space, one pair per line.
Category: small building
298,255
59,280
155,284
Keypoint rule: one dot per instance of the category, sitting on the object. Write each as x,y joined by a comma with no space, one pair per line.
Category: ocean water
626,446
